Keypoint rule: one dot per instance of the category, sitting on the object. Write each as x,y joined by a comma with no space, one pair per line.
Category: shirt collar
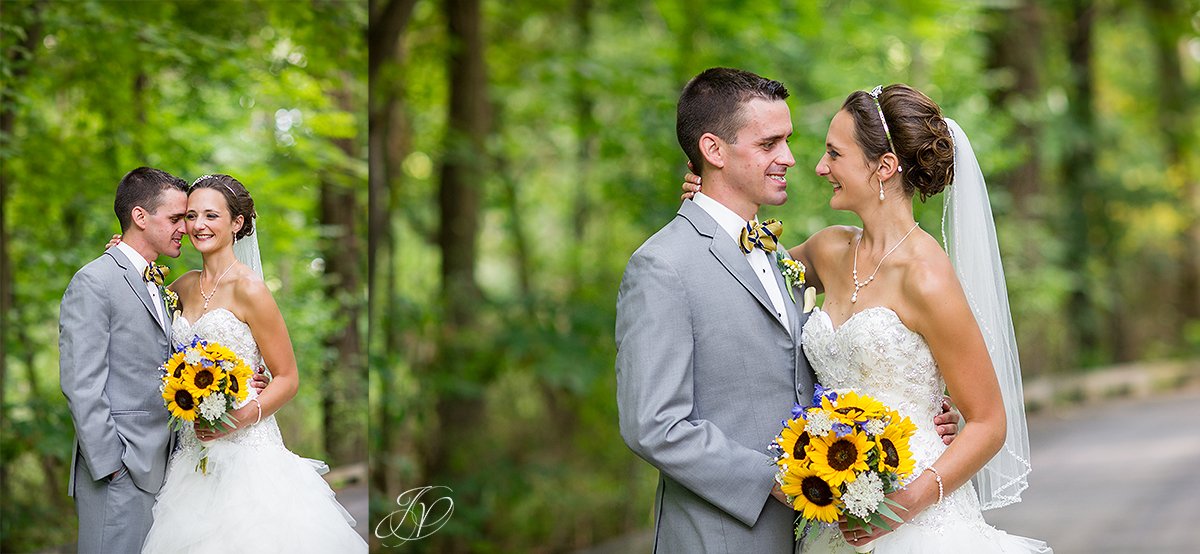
139,263
731,222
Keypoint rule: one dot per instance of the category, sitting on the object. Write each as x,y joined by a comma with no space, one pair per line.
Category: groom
114,331
708,339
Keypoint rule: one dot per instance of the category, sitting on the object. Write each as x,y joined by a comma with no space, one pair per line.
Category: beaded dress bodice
222,326
874,353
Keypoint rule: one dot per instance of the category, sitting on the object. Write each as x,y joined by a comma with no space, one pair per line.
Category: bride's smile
208,221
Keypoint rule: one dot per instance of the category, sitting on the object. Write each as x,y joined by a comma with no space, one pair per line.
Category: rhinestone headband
875,92
227,187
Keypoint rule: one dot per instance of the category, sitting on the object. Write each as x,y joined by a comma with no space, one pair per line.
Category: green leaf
878,520
885,509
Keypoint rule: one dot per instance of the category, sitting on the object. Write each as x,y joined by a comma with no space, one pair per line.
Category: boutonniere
810,299
792,270
172,300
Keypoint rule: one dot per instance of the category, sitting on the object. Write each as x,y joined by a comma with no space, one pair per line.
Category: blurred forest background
522,150
273,93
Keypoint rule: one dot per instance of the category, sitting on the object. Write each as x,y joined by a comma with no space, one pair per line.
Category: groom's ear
139,218
713,150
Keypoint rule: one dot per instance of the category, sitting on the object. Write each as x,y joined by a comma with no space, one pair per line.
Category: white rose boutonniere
810,299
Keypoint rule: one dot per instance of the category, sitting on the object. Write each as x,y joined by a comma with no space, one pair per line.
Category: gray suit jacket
110,346
705,375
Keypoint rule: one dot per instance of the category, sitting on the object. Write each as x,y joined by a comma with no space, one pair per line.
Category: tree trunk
385,49
459,201
1168,22
140,84
1015,47
459,194
588,140
344,377
1079,179
512,203
19,59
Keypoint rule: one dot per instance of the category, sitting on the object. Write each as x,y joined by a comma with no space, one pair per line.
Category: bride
256,495
904,320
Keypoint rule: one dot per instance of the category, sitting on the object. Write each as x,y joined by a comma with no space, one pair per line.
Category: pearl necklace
857,285
209,296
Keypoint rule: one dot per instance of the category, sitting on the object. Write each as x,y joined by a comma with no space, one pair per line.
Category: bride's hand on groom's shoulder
691,184
113,241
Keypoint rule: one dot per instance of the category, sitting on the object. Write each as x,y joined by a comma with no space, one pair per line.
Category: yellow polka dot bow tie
764,235
155,273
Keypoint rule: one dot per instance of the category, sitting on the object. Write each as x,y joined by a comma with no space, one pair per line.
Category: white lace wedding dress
257,496
875,354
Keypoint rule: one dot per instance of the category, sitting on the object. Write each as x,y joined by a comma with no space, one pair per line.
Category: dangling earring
881,190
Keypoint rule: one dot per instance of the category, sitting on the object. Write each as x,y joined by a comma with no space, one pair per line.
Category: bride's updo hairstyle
920,135
236,196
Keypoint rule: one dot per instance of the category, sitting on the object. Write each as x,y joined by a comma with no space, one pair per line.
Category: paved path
1119,476
354,499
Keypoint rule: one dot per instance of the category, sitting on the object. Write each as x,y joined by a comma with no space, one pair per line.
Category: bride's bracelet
938,477
259,405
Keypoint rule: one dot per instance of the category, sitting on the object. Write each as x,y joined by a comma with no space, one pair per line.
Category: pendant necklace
209,296
857,285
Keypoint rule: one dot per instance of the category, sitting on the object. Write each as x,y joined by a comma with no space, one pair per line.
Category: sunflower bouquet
201,383
840,456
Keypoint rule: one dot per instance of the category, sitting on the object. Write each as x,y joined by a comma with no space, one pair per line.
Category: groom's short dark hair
712,103
143,187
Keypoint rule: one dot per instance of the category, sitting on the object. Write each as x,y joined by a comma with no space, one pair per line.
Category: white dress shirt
759,260
140,264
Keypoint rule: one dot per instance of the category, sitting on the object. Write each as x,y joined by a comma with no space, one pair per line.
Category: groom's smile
758,161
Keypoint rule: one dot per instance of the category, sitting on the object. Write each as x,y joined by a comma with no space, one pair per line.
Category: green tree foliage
580,165
273,93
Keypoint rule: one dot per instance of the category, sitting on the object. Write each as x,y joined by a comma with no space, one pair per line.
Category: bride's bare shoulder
928,277
185,280
251,291
834,238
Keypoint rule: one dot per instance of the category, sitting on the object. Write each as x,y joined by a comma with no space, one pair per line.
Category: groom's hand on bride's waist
777,492
259,381
947,421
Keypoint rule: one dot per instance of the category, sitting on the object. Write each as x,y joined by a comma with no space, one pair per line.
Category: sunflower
895,454
852,408
180,399
238,375
174,366
793,440
216,352
204,378
814,497
838,459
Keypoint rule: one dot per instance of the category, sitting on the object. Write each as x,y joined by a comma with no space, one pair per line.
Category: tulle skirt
254,499
954,526
918,539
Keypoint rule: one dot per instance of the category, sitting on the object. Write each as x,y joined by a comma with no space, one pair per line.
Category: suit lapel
735,262
788,304
134,279
730,256
167,319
